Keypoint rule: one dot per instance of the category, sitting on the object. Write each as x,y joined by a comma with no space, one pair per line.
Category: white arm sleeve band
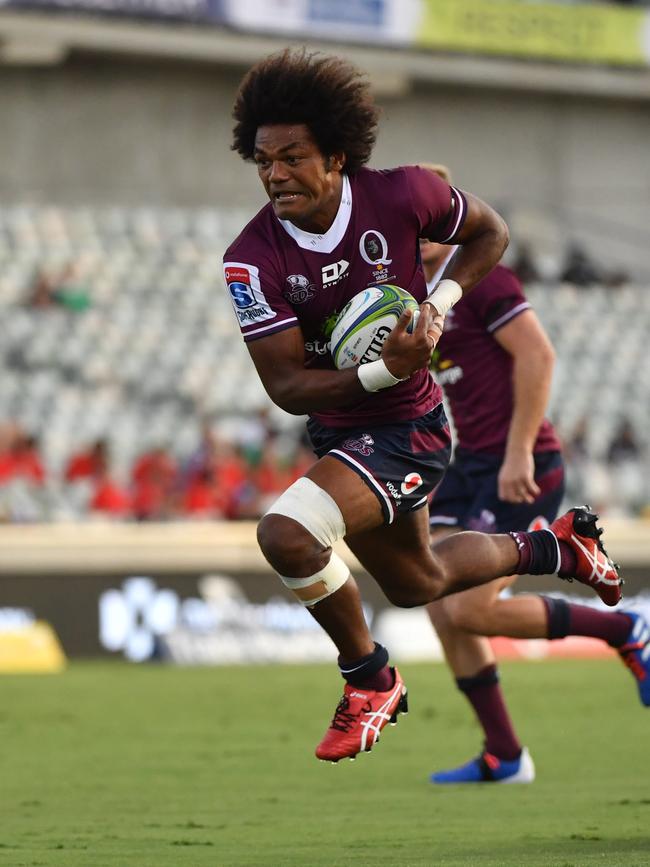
375,375
445,295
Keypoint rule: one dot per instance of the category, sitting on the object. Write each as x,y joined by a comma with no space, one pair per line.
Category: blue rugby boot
635,653
487,768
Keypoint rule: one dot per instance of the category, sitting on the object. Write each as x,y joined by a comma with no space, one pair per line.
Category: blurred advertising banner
220,619
184,10
576,33
190,619
375,21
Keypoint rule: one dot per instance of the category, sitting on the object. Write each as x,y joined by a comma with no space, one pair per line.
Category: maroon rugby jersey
281,277
476,372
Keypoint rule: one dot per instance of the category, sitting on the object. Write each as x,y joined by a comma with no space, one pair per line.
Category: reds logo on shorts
411,483
361,445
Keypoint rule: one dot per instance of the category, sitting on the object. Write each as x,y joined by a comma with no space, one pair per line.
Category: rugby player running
495,363
330,229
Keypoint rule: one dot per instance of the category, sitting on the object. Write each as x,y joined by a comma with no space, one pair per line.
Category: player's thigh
360,508
399,556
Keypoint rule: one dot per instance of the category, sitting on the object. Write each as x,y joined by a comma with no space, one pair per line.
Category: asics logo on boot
600,565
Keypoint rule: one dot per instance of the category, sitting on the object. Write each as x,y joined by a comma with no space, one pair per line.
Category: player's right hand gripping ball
366,321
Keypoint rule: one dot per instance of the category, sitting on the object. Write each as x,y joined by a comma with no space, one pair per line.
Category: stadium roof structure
30,37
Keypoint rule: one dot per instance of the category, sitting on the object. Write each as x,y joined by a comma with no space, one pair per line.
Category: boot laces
344,719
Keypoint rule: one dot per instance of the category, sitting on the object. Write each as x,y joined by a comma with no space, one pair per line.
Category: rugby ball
366,321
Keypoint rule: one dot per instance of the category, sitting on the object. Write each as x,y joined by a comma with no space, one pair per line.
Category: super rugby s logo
243,282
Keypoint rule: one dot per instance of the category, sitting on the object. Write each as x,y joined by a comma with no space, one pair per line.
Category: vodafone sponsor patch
411,483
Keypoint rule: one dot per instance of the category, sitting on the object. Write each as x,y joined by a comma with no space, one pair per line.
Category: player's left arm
482,242
533,358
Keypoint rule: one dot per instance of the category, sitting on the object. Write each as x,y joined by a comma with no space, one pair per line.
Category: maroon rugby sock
538,553
369,672
565,618
483,692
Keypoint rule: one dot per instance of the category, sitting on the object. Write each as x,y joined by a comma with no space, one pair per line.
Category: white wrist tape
445,295
375,375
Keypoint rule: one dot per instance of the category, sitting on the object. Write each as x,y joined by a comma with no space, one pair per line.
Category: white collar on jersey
332,238
432,282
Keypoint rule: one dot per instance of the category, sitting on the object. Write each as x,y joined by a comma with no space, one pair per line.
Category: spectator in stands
89,463
28,460
524,264
109,498
579,268
19,456
624,445
214,480
253,433
153,480
202,458
626,478
586,477
42,291
65,289
232,476
270,477
203,497
576,445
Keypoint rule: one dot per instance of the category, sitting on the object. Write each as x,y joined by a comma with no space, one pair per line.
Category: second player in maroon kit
495,364
331,228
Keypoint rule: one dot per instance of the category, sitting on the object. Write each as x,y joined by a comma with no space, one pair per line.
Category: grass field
111,765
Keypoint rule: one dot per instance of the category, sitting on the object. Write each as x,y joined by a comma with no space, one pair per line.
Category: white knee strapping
309,505
321,584
312,507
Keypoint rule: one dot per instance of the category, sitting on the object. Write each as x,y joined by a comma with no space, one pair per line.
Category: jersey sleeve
439,208
498,299
256,297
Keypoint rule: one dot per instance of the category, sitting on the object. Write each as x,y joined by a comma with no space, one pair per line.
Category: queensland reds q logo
374,248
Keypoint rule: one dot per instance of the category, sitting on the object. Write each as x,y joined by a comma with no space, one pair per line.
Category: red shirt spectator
110,498
20,458
204,498
153,479
88,464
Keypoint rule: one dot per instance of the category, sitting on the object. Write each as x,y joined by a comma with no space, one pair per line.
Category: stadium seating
144,345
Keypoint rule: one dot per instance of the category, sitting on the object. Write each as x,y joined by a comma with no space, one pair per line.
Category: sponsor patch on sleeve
243,282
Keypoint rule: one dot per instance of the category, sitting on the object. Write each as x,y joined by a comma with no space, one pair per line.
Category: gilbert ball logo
411,483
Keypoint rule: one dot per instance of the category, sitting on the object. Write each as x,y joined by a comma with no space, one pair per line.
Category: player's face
302,184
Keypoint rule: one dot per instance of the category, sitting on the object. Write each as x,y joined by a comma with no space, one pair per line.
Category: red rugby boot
359,717
594,567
